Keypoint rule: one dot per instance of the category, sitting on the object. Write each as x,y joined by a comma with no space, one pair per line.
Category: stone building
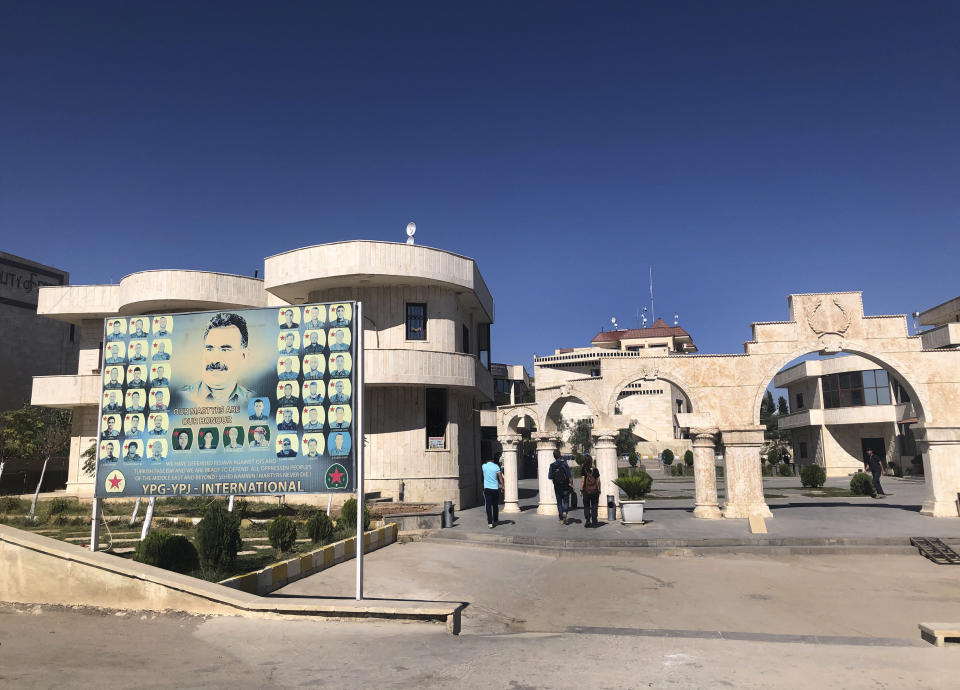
31,345
840,407
427,316
652,405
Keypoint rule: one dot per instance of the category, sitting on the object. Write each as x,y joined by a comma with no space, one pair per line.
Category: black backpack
560,480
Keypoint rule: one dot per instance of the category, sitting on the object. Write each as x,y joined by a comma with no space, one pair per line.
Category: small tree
282,534
53,441
20,431
633,458
688,458
782,408
625,440
667,457
581,437
218,536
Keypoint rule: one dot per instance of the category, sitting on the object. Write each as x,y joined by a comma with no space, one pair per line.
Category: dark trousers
491,497
876,481
590,505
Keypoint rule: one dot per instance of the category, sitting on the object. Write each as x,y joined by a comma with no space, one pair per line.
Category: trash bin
446,518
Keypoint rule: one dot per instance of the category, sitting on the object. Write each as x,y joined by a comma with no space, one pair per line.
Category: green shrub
319,527
348,514
168,551
667,457
218,536
861,484
633,458
813,475
13,504
635,486
773,457
282,534
766,470
785,470
688,458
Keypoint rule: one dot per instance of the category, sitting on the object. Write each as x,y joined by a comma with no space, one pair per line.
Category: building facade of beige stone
724,392
427,316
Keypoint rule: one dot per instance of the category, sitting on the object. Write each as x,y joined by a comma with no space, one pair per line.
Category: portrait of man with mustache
225,343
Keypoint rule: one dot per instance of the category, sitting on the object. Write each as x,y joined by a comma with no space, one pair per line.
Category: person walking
877,467
562,484
492,483
590,490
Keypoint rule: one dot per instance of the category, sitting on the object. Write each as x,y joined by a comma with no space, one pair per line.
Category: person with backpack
492,483
562,484
590,490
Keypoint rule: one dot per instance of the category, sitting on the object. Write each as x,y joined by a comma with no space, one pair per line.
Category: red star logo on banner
336,475
114,482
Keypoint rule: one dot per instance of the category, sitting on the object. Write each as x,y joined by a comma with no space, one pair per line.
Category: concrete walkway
797,520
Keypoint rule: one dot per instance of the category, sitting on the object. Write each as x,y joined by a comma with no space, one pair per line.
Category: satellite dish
613,319
411,231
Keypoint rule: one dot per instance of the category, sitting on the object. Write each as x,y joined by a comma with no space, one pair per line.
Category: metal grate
936,550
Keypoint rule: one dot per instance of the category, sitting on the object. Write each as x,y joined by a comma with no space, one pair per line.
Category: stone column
743,473
705,474
511,502
941,467
548,499
605,453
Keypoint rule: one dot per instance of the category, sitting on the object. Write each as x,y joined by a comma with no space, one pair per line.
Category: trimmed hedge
349,513
218,536
282,534
813,476
168,551
667,457
861,484
688,458
319,527
785,470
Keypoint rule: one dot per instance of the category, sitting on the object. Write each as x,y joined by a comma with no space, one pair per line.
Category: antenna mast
653,313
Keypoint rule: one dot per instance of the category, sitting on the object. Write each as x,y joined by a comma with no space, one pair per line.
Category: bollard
611,509
446,518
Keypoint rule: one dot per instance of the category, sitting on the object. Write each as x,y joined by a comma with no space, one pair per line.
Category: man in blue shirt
138,331
114,381
313,347
111,431
314,372
339,396
492,483
288,374
339,422
289,350
340,445
158,402
314,322
258,414
132,454
338,345
115,334
338,367
115,356
313,422
287,424
136,381
160,381
135,405
314,397
287,398
287,451
112,405
161,354
288,321
157,429
138,357
559,472
341,320
161,331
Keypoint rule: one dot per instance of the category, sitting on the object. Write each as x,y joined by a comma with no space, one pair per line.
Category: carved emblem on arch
650,372
829,321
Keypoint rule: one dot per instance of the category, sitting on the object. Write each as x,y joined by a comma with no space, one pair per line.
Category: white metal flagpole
358,440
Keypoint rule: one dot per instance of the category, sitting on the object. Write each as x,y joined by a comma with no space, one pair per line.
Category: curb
277,575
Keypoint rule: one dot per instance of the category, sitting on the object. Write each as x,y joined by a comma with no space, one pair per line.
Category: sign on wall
250,401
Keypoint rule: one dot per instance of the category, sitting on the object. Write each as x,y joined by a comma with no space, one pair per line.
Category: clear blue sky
745,150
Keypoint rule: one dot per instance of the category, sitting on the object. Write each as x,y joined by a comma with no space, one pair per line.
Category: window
416,321
799,401
464,340
483,344
856,388
803,450
436,418
502,391
679,407
594,373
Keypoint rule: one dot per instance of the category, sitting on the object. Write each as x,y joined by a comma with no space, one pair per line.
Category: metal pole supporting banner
358,446
95,526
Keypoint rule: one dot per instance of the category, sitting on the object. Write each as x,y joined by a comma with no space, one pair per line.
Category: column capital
509,439
604,439
546,442
703,436
746,436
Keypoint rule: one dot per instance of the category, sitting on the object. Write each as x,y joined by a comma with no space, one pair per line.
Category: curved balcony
293,275
158,291
426,368
78,390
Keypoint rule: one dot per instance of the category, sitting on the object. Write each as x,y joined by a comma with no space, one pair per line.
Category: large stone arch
551,409
509,415
886,360
662,372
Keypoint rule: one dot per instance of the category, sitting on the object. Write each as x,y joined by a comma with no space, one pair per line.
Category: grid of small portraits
137,364
312,404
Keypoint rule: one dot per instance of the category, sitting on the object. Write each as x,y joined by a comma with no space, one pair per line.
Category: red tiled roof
659,329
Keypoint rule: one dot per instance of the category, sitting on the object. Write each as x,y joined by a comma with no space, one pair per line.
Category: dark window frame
435,416
416,324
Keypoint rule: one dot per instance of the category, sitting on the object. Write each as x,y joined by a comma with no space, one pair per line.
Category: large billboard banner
250,401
